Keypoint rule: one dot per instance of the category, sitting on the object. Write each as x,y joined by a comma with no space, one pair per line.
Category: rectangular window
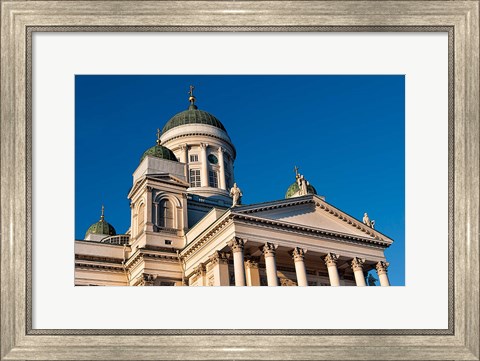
193,157
213,179
168,242
195,178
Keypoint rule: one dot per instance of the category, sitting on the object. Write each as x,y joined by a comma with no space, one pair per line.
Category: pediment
313,212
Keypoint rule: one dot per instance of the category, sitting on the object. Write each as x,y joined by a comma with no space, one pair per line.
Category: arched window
141,218
165,217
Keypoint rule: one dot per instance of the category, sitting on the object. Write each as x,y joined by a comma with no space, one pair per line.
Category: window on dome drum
212,159
165,217
195,178
213,179
193,157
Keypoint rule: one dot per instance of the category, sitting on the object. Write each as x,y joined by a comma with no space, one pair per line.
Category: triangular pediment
312,212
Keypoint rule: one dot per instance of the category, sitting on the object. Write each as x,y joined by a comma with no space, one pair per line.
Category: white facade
184,230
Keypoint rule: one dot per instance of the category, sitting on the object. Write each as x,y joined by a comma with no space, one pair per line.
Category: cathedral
189,227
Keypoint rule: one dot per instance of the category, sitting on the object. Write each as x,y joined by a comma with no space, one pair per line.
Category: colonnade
247,273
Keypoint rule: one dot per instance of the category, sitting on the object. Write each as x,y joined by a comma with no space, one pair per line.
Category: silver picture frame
21,19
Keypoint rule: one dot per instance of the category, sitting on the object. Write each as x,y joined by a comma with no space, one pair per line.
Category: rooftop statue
236,194
367,221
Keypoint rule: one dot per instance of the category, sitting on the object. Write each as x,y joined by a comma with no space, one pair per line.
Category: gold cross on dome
159,132
296,170
191,90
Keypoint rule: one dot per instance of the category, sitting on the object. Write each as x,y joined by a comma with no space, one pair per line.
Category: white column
183,154
222,168
237,245
204,169
270,264
252,273
219,264
382,273
298,255
331,262
201,273
357,267
184,159
148,210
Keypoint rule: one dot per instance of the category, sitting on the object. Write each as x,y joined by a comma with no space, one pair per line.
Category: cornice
320,203
332,235
102,267
234,151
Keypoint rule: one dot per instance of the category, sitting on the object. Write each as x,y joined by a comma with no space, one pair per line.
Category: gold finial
102,216
191,98
159,133
296,171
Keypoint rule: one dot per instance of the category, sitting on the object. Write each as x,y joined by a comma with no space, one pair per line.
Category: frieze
90,266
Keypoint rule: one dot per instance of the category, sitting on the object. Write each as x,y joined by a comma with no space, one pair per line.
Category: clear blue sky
345,133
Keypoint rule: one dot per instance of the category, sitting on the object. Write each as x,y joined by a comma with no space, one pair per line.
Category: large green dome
160,151
193,116
294,188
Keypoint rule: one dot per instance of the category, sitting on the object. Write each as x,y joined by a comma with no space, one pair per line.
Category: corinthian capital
203,145
298,254
331,259
357,264
269,249
200,270
236,244
382,267
218,258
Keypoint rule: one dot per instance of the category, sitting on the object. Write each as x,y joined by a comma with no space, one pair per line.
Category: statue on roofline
236,194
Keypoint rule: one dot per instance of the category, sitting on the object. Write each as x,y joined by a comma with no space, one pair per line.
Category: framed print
306,143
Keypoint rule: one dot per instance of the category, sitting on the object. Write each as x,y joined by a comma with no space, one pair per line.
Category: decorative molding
218,258
382,267
236,244
200,270
331,259
298,254
357,264
269,249
147,279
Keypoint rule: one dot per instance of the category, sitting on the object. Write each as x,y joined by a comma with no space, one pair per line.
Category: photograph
239,180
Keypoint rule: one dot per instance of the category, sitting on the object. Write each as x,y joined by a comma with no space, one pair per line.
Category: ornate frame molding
19,19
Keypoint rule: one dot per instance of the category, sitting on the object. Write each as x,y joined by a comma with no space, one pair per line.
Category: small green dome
294,188
160,151
101,227
193,116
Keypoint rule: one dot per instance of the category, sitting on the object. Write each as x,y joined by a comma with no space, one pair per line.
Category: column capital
200,270
149,188
269,249
382,267
298,254
218,258
357,264
236,244
204,145
251,263
148,279
331,259
221,150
